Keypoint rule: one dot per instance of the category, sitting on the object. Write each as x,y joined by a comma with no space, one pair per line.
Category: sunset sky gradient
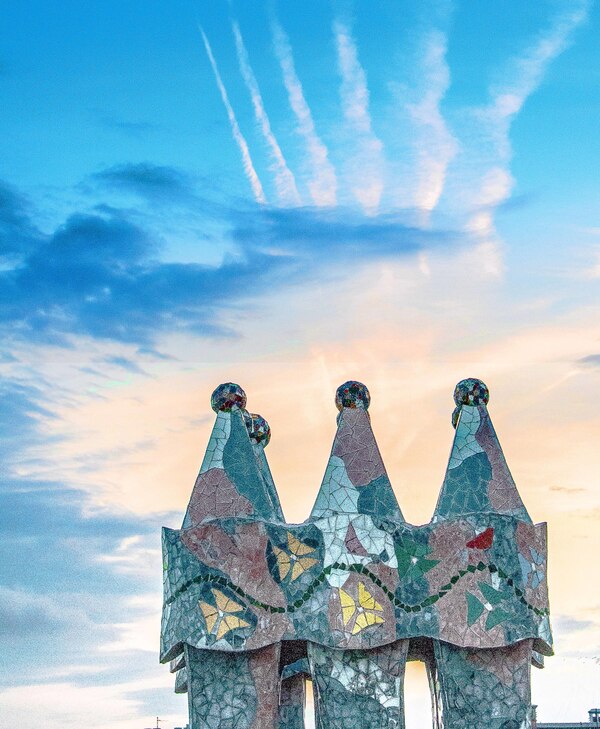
287,196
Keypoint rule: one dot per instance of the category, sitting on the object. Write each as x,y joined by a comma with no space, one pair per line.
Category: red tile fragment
483,540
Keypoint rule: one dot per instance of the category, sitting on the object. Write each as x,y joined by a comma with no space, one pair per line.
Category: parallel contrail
368,168
285,183
507,99
239,138
323,186
436,146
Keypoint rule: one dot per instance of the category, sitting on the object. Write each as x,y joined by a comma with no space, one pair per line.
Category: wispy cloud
323,184
367,164
103,275
153,182
17,235
98,275
134,555
528,71
521,78
564,624
436,145
592,360
318,236
22,412
69,705
239,138
131,128
26,614
285,183
567,490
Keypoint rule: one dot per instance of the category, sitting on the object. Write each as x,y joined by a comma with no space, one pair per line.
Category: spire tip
258,428
471,392
228,397
352,394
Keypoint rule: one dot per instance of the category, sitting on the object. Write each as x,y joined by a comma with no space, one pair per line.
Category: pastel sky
286,195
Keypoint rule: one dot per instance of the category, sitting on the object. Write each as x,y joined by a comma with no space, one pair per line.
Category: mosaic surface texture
253,605
359,688
485,688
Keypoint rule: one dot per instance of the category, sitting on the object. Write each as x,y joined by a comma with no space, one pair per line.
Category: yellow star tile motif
348,606
366,610
294,558
220,619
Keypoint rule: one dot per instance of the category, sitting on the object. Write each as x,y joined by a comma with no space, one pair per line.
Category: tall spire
260,435
230,483
355,481
477,479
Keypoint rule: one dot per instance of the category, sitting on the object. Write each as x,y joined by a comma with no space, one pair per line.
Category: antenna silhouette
158,723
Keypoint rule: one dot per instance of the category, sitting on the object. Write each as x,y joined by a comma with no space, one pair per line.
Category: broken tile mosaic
254,606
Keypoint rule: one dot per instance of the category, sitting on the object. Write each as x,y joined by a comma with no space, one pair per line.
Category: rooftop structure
254,606
593,721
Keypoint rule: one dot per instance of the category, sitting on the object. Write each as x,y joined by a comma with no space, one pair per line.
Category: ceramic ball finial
352,394
228,397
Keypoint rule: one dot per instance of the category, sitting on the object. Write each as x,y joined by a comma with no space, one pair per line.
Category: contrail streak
436,146
323,186
239,138
507,99
285,183
368,163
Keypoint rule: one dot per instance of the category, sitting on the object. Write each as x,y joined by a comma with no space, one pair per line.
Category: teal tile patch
480,688
465,488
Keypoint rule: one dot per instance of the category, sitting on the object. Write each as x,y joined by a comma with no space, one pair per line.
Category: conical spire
260,435
477,480
355,480
230,482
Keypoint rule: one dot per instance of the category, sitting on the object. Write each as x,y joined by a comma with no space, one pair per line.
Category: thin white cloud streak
141,634
436,145
525,75
323,185
67,705
529,71
285,184
239,138
132,556
368,168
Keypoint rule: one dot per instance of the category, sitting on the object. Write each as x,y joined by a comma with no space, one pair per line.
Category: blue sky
403,193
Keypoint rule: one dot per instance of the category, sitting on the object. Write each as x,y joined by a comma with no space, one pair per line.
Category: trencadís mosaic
253,606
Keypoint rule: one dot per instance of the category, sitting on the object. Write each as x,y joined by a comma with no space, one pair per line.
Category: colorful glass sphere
258,428
471,392
228,397
352,394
